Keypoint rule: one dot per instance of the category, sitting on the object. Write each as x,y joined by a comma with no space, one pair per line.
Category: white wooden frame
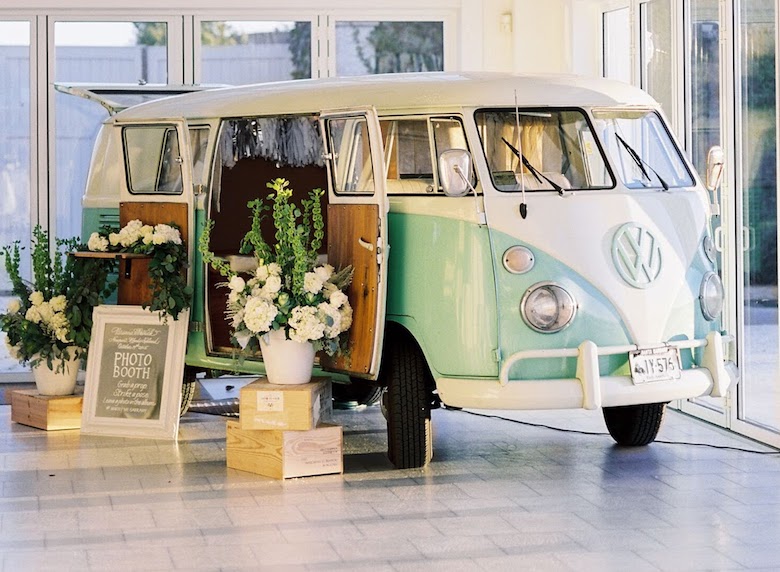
135,392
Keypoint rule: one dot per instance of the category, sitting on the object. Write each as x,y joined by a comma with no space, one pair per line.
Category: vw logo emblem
636,254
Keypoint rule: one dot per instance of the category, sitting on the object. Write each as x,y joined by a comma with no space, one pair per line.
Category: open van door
357,232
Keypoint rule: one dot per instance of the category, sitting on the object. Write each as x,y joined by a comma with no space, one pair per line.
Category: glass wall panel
617,44
15,146
96,52
655,44
703,104
388,47
239,52
760,388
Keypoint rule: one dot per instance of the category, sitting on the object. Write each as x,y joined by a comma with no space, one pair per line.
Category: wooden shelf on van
133,288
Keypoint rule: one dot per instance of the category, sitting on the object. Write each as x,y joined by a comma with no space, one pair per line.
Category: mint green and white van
519,242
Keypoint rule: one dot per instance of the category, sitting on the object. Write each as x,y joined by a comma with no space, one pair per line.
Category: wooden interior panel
134,287
356,222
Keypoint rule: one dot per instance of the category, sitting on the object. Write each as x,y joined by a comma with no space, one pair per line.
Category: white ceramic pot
287,362
53,382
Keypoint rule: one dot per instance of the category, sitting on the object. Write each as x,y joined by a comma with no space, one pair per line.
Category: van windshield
541,149
641,149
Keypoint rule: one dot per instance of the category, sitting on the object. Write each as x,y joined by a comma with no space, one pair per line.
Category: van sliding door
357,232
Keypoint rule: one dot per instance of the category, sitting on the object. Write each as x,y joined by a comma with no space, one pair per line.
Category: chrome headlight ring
711,296
547,307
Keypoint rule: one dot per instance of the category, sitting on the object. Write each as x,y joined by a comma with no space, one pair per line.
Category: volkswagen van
519,242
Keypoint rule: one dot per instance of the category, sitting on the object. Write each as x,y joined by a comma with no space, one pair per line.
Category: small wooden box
285,407
50,412
285,454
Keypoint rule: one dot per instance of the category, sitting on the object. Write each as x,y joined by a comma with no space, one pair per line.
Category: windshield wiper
641,162
534,171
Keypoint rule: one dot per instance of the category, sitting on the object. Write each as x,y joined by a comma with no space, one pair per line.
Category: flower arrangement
52,317
170,292
288,290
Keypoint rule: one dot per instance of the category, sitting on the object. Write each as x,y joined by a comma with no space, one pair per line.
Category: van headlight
547,307
711,296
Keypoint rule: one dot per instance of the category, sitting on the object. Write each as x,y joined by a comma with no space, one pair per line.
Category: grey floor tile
497,496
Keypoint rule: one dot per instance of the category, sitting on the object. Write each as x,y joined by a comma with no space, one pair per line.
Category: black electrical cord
562,430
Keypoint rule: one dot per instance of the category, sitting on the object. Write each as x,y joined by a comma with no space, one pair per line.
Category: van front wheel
634,425
407,404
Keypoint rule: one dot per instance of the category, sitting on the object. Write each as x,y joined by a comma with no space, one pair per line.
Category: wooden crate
285,407
285,454
50,412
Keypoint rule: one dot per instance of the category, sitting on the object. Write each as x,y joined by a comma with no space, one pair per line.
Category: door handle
367,245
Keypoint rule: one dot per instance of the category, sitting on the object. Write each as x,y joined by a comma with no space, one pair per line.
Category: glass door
758,396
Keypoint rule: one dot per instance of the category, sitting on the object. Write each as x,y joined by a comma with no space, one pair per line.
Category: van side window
153,159
199,139
352,172
412,146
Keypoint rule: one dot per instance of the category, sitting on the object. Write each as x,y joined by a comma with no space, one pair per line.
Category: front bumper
714,377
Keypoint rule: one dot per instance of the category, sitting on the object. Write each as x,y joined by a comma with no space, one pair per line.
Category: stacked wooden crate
48,412
283,431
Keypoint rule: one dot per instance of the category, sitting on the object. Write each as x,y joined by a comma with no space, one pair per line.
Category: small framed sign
134,373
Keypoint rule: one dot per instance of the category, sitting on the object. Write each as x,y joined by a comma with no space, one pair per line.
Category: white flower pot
52,382
286,362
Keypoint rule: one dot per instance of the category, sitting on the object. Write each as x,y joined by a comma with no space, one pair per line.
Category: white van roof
422,92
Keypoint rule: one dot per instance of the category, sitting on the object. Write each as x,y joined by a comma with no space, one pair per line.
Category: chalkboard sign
134,373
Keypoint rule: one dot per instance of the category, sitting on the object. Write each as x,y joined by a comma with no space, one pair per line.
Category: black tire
634,425
407,402
355,394
188,389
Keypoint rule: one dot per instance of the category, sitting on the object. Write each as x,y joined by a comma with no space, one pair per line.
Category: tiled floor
498,496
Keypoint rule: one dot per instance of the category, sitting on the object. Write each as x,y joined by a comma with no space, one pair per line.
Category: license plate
654,364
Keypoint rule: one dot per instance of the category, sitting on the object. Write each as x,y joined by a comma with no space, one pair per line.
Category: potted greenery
48,324
289,306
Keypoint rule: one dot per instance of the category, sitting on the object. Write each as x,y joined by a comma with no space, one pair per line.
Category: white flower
338,298
58,303
312,283
259,314
331,319
324,272
274,269
304,324
113,238
233,297
273,285
147,235
237,284
165,233
13,351
36,298
346,316
97,243
33,315
14,305
262,273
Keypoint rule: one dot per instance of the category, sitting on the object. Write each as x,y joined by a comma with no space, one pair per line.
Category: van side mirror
454,171
714,167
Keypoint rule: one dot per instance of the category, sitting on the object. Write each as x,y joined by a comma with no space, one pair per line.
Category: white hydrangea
324,272
259,314
272,285
14,305
312,283
236,284
304,324
337,299
262,272
58,303
146,234
274,269
36,298
165,233
346,316
33,315
97,243
331,319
